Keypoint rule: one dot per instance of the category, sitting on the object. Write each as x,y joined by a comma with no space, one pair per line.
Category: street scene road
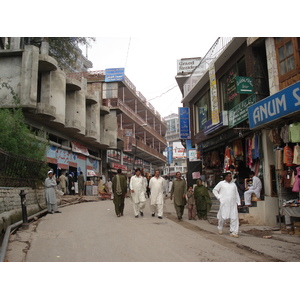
90,231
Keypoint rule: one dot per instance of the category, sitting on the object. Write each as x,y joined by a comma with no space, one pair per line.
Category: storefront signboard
209,127
184,122
78,148
244,85
239,113
116,74
214,95
118,166
274,107
193,155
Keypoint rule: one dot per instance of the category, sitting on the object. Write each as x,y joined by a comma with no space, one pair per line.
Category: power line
127,52
163,93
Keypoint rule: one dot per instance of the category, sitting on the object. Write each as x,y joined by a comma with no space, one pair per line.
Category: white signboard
187,65
178,150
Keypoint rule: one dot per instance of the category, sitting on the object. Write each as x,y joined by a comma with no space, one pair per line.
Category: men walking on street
226,192
119,188
179,190
255,188
156,185
80,181
50,194
137,187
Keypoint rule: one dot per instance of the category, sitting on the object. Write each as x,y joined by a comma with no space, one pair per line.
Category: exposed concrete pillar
45,48
272,65
15,43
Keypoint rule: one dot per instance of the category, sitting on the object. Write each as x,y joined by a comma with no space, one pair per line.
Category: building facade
234,120
175,152
86,120
140,128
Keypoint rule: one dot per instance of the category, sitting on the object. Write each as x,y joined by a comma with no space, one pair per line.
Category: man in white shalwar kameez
226,192
137,187
157,185
255,188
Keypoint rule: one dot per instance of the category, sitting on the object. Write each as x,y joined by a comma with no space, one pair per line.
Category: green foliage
63,49
16,138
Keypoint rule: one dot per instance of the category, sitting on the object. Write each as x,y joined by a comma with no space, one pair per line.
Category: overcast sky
150,63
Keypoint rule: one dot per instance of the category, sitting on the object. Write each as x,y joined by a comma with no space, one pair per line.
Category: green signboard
240,112
244,85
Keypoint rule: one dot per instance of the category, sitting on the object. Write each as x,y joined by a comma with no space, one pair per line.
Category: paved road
91,232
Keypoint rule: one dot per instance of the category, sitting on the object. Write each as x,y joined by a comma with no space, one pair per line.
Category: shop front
278,117
69,161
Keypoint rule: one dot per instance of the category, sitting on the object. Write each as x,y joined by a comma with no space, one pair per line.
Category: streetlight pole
133,161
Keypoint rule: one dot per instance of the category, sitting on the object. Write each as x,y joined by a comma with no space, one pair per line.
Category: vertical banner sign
128,140
213,95
170,154
184,123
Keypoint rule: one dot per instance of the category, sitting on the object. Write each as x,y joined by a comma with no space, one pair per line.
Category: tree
64,49
15,136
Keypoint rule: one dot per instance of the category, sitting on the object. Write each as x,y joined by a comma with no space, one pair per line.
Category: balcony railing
141,145
117,103
205,62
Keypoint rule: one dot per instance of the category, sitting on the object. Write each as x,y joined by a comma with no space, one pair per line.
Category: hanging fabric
294,130
296,155
284,134
296,186
287,156
249,152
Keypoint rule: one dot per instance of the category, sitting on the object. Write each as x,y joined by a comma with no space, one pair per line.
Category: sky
150,64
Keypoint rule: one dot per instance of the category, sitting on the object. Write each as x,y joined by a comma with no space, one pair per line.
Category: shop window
227,84
287,51
273,181
203,110
286,58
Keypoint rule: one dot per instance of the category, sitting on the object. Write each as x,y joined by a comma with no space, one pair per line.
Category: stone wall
10,204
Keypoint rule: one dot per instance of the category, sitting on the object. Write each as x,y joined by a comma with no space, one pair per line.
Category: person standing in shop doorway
119,188
255,189
179,190
138,190
50,193
226,192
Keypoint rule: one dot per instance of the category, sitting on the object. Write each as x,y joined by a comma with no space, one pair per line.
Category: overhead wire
127,51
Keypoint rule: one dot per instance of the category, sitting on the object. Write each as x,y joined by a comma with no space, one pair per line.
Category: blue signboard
116,74
209,127
276,106
184,123
170,154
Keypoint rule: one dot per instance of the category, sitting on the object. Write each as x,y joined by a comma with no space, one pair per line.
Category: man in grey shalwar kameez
50,193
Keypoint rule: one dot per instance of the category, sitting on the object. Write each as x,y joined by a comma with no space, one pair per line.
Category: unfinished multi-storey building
84,118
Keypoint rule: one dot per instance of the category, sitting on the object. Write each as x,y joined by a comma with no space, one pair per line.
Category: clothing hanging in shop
274,136
294,130
284,134
249,152
238,148
279,159
296,186
287,156
296,155
286,177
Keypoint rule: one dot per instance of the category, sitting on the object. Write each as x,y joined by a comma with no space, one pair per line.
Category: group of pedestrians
197,198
